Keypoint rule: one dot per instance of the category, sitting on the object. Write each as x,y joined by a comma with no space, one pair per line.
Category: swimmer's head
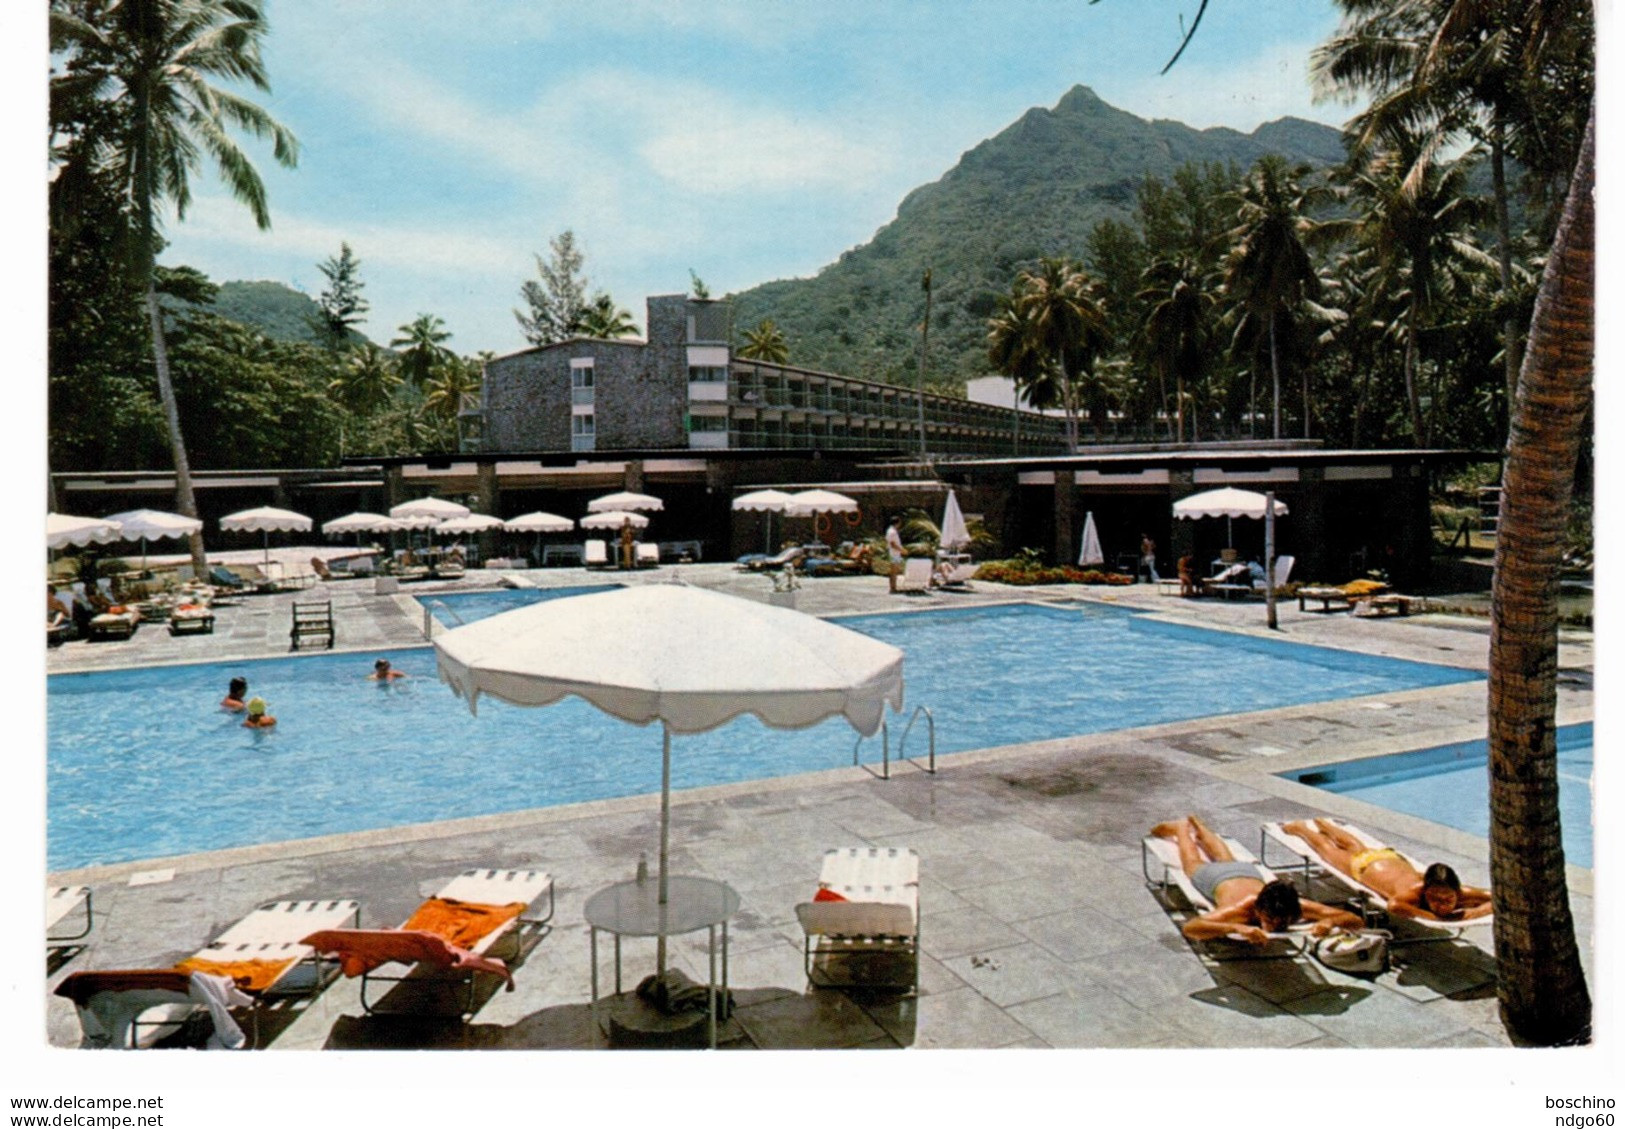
239,687
381,666
256,707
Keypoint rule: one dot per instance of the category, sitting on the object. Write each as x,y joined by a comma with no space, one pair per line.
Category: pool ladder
930,764
428,617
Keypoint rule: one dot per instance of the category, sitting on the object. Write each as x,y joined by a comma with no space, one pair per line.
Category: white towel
220,994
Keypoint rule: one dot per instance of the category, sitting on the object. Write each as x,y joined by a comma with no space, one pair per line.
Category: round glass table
634,909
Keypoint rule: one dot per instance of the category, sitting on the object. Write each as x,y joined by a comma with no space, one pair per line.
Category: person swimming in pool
1436,894
235,693
383,672
1245,906
257,717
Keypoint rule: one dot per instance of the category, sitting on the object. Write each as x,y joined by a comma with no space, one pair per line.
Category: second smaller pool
1449,784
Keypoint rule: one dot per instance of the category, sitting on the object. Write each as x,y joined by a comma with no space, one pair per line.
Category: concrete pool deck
1037,927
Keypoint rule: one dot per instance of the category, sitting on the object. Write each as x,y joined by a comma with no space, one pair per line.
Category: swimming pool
1449,784
141,763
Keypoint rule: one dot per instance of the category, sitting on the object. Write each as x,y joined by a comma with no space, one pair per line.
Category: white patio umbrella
539,523
768,502
686,657
613,519
432,510
1228,503
469,523
813,503
1089,550
153,525
267,520
361,522
62,530
955,534
625,500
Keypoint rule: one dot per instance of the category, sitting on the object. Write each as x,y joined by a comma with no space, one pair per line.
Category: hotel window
707,374
583,432
708,423
580,383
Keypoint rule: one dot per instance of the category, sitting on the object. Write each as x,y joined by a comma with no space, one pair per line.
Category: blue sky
449,140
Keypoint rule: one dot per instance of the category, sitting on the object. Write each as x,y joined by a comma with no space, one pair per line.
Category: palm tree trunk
1412,397
1304,382
1510,342
1179,408
1541,985
1275,375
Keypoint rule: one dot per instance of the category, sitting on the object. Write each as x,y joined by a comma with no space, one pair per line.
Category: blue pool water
141,763
1450,784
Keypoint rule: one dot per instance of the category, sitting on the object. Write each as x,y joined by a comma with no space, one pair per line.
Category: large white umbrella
539,523
267,520
955,534
1226,502
804,503
361,522
1089,549
153,525
62,530
625,500
769,502
431,510
689,658
613,519
469,523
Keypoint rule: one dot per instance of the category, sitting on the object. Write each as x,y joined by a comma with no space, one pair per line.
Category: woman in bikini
1434,895
1245,906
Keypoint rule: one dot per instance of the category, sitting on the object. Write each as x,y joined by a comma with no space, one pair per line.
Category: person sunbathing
257,717
236,692
1434,895
1245,906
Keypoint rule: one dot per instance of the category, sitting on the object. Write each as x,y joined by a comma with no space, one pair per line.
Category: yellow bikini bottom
1363,861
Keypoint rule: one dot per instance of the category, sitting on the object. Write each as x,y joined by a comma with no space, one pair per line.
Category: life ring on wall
853,517
822,524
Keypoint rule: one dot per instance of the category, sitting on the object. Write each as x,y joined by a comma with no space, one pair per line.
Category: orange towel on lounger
463,924
249,975
362,950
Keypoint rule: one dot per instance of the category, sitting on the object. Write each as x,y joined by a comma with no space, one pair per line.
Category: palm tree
423,352
1012,350
1068,326
1270,270
1540,982
367,380
604,319
1418,232
766,343
152,64
1481,69
1176,331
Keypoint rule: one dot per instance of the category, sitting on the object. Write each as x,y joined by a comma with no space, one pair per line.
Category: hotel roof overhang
1126,459
299,478
571,342
447,462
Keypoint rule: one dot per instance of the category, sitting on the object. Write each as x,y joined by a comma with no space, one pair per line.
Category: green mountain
1035,189
278,311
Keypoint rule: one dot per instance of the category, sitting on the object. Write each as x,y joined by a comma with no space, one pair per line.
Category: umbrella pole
665,830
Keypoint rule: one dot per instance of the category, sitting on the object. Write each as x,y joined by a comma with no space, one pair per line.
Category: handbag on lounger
1363,952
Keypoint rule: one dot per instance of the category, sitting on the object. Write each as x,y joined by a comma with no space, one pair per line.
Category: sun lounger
646,553
864,921
916,575
755,562
258,960
62,902
119,623
451,936
1327,595
595,554
954,570
191,619
1369,900
1389,603
1159,862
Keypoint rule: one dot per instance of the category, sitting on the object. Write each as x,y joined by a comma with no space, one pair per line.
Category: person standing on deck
894,550
1148,557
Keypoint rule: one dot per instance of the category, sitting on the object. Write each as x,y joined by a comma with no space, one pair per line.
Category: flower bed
1011,572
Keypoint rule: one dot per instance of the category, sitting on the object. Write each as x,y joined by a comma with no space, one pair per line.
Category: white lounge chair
451,936
865,919
954,570
916,575
1159,862
595,554
60,902
646,553
261,958
1315,864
